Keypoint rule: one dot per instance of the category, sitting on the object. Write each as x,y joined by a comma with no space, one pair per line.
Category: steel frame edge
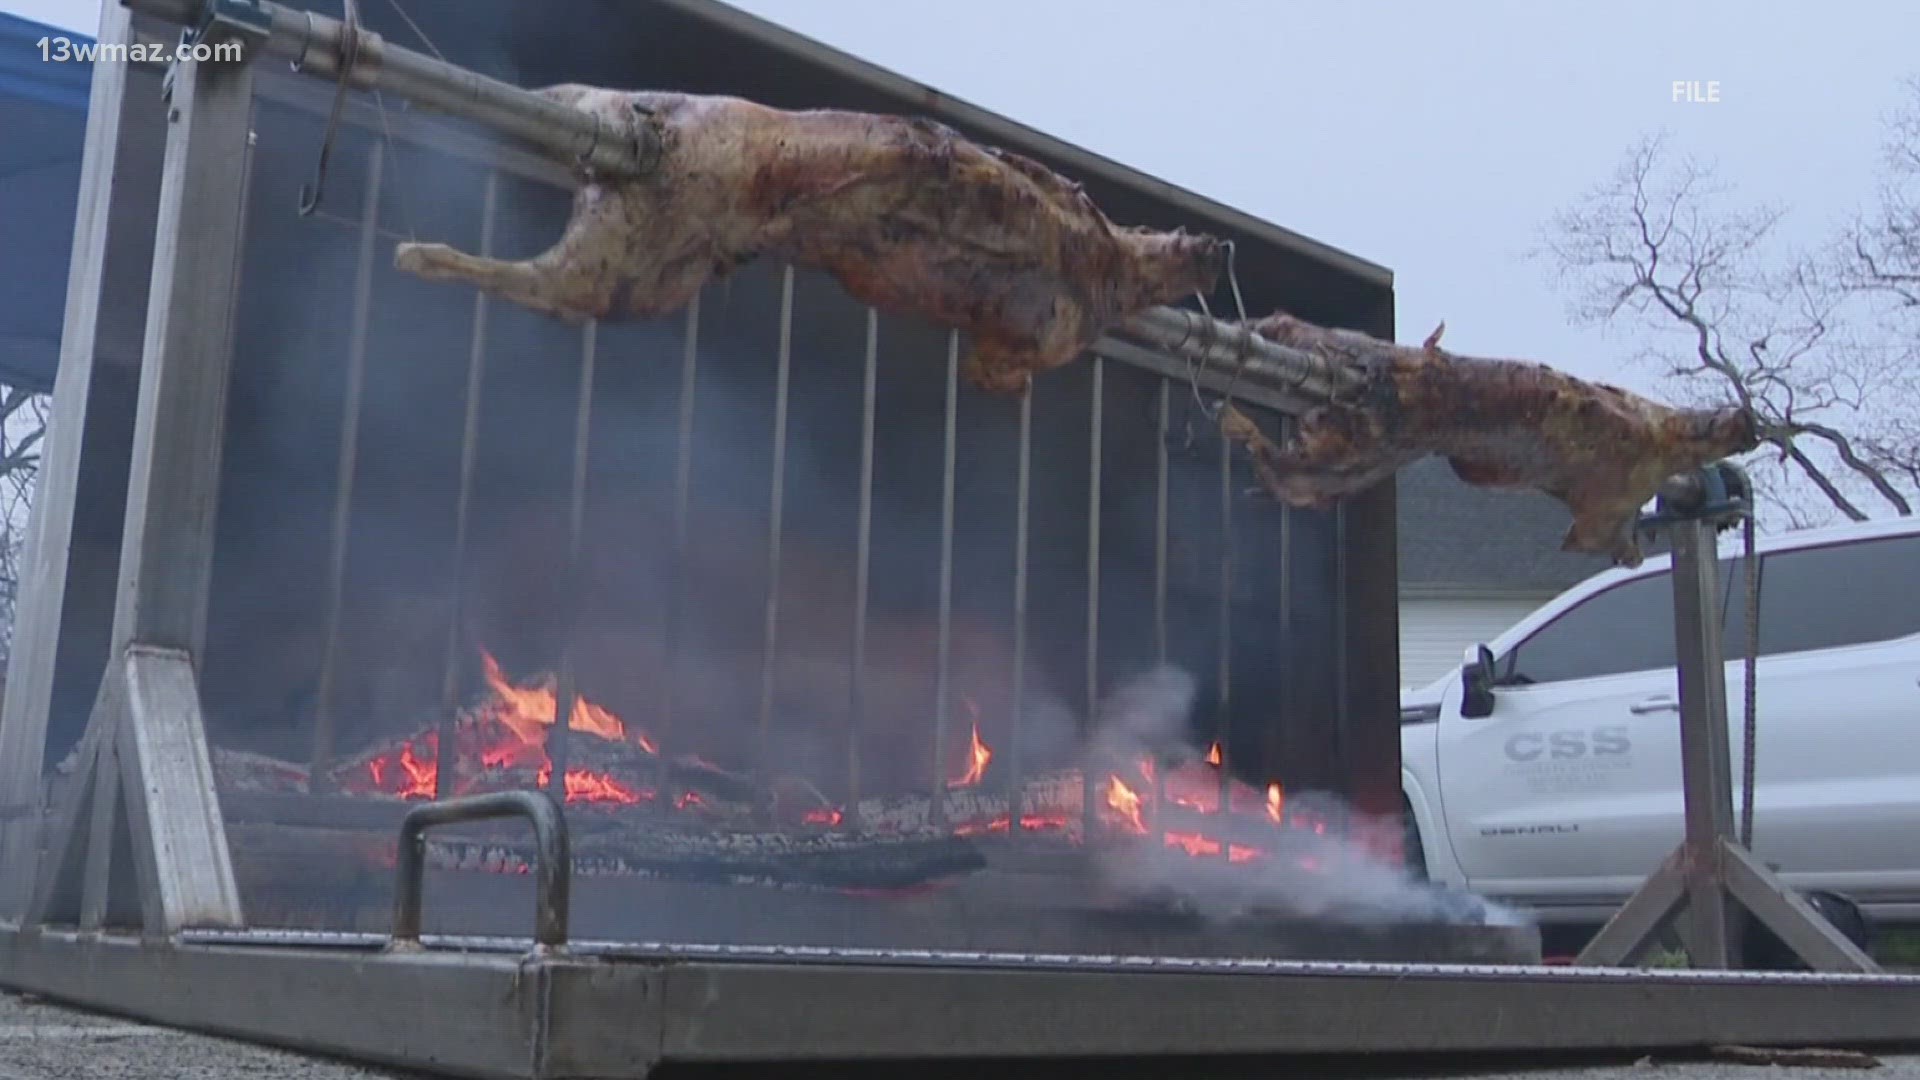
539,1015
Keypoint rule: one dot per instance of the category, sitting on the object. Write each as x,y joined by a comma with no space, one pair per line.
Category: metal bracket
1710,874
553,860
140,840
245,21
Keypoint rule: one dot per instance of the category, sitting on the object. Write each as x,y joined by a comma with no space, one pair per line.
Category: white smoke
1332,876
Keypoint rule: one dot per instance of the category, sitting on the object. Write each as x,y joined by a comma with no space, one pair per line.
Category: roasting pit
840,639
680,850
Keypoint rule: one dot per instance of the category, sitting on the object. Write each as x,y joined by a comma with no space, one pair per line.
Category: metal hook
349,55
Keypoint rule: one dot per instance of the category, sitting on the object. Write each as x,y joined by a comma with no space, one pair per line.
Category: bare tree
1820,343
23,426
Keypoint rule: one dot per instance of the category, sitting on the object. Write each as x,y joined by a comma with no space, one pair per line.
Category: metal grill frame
509,1009
1173,375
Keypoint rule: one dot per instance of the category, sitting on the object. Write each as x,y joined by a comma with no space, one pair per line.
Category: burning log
822,860
905,213
1501,424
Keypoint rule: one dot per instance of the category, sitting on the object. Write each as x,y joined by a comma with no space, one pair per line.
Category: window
1843,594
1626,628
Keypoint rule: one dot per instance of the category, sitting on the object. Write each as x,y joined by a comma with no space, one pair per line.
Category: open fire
506,737
664,811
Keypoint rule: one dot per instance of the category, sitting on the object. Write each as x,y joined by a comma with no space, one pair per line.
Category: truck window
1841,594
1626,628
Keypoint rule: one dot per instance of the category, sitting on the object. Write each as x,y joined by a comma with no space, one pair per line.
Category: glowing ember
585,786
417,783
1205,846
1124,801
1004,823
829,816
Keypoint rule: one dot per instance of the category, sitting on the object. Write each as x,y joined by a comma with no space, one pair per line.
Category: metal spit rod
313,41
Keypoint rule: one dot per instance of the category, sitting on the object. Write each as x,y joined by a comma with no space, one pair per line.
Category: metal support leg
446,761
149,707
113,227
1710,875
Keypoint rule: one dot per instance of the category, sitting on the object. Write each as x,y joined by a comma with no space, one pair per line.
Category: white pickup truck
1566,795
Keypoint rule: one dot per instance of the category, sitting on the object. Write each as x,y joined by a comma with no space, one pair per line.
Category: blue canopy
43,123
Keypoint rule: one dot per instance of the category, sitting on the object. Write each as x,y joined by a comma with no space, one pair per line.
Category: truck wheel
1766,952
1413,854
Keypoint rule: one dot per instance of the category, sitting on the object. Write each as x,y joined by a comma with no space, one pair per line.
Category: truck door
1838,751
1570,790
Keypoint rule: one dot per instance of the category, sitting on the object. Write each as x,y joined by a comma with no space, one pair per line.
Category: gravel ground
40,1041
1905,1067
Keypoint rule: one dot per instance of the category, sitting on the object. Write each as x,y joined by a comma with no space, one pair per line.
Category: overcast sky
1434,138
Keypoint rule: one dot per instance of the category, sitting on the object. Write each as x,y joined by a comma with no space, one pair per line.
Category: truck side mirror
1476,684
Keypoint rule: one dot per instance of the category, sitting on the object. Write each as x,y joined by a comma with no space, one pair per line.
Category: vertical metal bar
571,587
446,752
1160,523
776,506
349,451
676,572
1223,724
1707,776
1096,420
943,664
1016,761
690,360
1276,753
857,677
1343,648
1161,469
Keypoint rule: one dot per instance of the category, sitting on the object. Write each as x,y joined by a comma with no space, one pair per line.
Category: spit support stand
1710,876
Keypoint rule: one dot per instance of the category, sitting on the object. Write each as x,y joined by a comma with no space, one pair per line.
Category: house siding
1435,631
